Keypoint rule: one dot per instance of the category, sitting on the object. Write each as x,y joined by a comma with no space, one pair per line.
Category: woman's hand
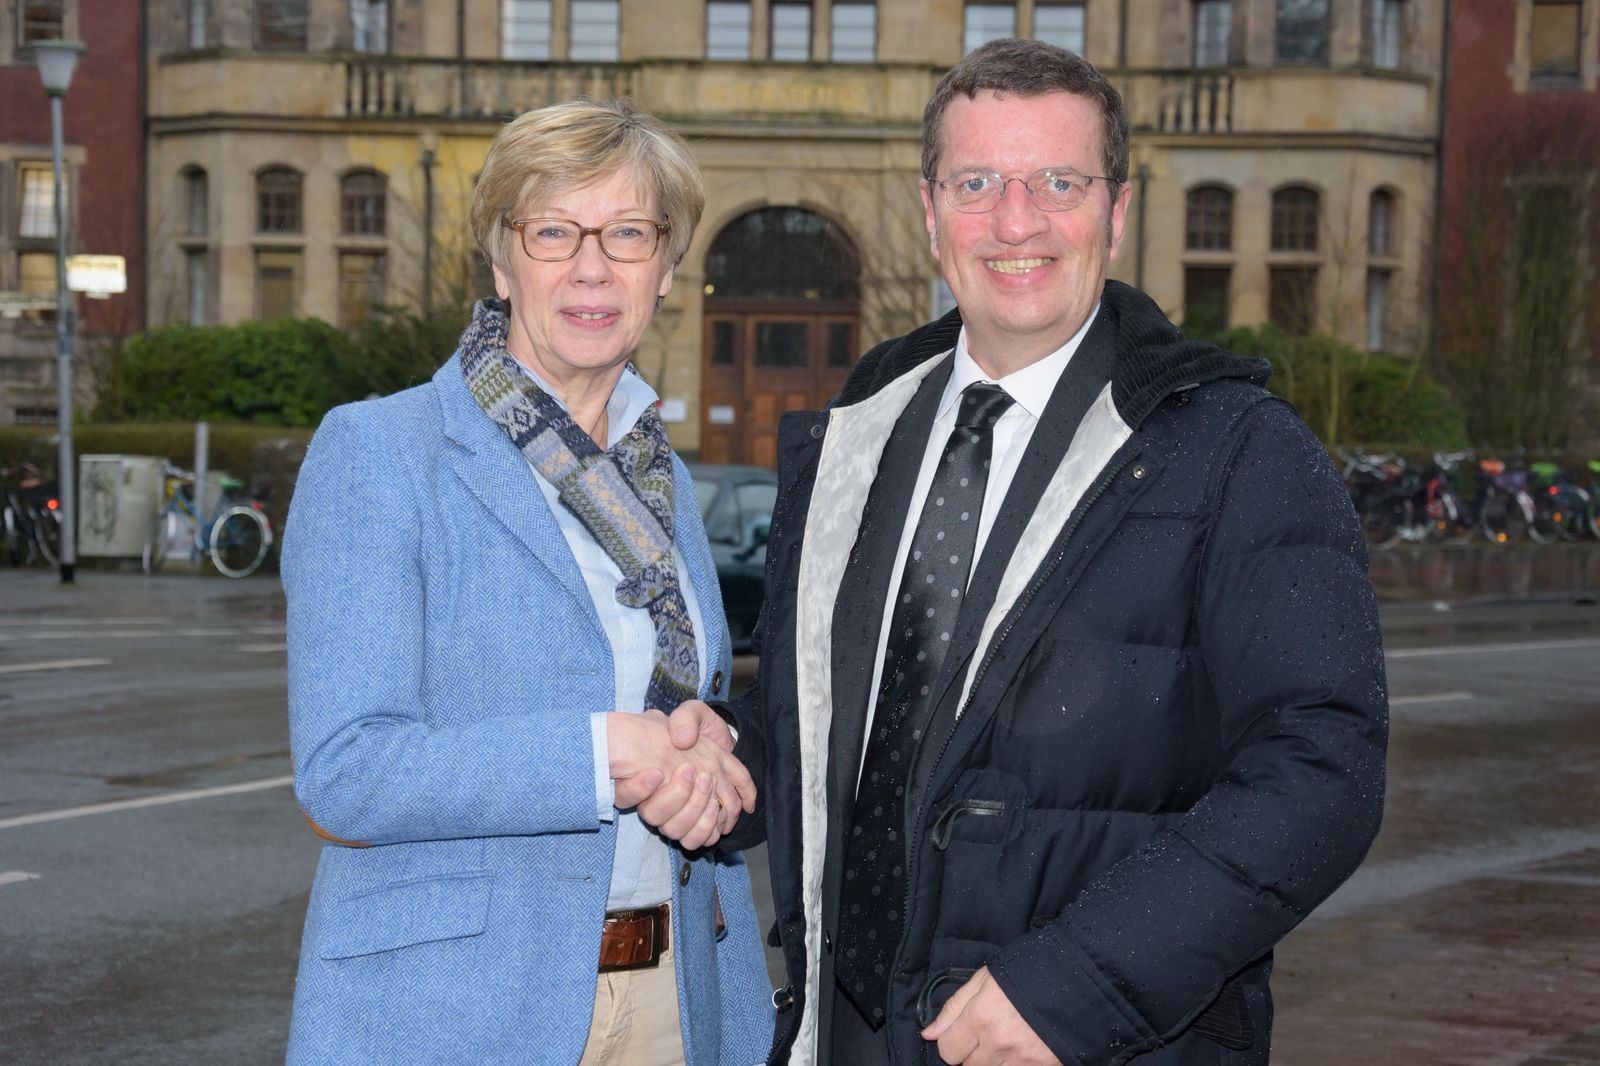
691,795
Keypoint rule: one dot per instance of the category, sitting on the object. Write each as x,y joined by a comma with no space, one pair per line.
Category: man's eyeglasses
626,240
1050,189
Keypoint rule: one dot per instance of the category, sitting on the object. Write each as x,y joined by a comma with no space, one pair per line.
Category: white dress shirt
1030,388
641,872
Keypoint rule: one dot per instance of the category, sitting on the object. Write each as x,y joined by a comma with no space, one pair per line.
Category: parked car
736,503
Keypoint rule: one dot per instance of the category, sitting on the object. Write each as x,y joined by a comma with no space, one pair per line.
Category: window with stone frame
281,24
198,13
1206,298
525,29
40,20
728,30
196,202
790,24
1296,219
1381,241
1292,298
361,286
594,32
1556,39
363,204
36,273
369,26
36,200
1213,27
1378,285
278,200
1302,31
1386,23
278,272
1209,219
855,33
983,22
1061,24
197,274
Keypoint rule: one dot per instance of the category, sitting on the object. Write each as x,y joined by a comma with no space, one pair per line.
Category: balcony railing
1195,103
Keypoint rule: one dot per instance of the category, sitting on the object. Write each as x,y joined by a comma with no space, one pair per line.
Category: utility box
118,499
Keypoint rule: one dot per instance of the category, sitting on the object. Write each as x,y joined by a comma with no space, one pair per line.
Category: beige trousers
636,1018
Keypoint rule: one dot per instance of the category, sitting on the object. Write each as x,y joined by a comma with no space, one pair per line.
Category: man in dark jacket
1071,700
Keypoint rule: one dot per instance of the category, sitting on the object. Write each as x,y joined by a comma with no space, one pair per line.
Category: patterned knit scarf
623,496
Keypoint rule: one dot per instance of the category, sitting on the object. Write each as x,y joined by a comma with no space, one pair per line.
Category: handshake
678,772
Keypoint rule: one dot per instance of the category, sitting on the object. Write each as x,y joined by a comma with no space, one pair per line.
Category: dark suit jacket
1157,740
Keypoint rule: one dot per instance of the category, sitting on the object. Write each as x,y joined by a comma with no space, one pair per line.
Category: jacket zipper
913,851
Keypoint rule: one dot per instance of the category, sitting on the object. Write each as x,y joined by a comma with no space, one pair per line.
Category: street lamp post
56,60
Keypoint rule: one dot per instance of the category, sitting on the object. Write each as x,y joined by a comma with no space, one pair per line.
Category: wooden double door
762,359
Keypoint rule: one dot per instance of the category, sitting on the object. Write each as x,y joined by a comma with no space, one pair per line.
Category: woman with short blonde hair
498,583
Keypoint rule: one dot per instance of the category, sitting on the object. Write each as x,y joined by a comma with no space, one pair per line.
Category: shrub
284,373
1351,396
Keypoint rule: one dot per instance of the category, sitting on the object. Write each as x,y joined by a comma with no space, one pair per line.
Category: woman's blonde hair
541,154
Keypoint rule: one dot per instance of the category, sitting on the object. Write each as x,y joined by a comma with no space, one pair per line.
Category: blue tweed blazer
444,658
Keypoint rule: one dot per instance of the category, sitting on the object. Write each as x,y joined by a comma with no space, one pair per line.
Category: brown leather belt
634,940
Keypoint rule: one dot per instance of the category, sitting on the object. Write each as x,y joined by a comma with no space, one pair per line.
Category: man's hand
694,725
980,1027
691,795
694,720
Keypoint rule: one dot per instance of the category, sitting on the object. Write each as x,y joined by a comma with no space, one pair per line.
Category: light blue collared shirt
641,871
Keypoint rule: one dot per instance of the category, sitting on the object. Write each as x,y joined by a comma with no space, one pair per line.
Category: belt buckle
659,921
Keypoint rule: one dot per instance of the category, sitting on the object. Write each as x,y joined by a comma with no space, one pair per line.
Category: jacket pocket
1227,1020
937,990
419,911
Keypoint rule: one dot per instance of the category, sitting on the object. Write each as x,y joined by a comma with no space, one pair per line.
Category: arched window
1380,224
196,200
1209,215
278,200
1295,219
783,253
781,329
363,204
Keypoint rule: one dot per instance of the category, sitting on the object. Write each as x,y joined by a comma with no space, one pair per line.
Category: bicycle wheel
1503,519
239,541
1383,518
1444,516
1573,510
47,535
19,546
1546,524
156,546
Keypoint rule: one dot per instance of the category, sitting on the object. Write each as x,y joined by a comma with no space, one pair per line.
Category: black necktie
872,902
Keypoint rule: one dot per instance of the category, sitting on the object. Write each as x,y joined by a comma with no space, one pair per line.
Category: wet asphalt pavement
154,869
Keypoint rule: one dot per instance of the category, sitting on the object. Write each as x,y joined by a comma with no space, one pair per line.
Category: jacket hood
1153,358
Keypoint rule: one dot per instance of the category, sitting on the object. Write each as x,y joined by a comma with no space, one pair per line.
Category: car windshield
707,492
756,500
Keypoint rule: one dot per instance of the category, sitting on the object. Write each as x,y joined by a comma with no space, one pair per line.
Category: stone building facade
316,156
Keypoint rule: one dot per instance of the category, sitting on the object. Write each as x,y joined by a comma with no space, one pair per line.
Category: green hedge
286,373
1347,395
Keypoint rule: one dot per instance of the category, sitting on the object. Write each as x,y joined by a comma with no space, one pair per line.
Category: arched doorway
782,321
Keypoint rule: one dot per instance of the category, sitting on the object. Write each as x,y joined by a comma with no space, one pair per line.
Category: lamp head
55,60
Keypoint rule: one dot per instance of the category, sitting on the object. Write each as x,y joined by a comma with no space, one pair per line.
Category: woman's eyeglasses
626,240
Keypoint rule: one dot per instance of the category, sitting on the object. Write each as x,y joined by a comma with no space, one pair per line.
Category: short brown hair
1016,67
541,154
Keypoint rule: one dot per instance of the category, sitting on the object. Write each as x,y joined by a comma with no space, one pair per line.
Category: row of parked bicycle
1509,500
234,532
30,517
